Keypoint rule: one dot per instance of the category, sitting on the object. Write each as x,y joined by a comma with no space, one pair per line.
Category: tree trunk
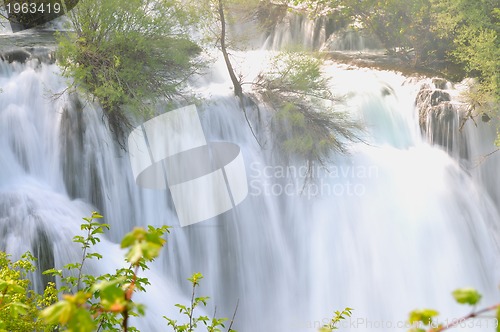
236,83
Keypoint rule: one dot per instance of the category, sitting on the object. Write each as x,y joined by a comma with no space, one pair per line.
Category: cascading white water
397,224
36,212
299,32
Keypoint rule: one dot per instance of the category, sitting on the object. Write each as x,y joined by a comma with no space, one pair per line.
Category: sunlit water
396,225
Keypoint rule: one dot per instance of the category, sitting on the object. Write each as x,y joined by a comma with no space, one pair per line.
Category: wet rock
485,117
427,99
43,54
18,55
387,90
440,119
438,96
440,83
22,55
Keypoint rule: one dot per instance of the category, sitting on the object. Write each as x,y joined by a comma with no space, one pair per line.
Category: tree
20,305
437,34
294,88
128,54
223,47
475,31
404,27
306,122
214,19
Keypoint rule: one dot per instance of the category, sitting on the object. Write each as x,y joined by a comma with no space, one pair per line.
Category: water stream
395,225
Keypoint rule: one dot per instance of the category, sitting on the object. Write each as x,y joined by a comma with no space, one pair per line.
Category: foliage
212,325
221,17
338,317
207,15
128,54
469,296
104,301
474,29
403,26
441,34
99,303
91,303
306,123
19,305
215,18
423,316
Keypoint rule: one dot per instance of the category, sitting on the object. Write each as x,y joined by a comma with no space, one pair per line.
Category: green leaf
96,215
57,313
182,308
425,316
81,322
17,309
467,296
53,272
94,255
130,238
203,300
195,278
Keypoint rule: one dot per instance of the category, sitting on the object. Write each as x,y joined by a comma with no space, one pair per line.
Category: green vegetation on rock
128,55
445,35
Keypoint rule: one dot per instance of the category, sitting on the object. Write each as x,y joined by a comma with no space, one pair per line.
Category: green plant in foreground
423,319
337,318
104,302
212,325
19,306
129,55
99,303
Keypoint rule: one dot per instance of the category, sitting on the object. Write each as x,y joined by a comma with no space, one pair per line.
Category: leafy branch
306,123
105,302
337,318
467,296
93,228
19,304
212,325
105,298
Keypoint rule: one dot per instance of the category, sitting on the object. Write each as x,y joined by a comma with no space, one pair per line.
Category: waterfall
325,33
298,31
395,225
